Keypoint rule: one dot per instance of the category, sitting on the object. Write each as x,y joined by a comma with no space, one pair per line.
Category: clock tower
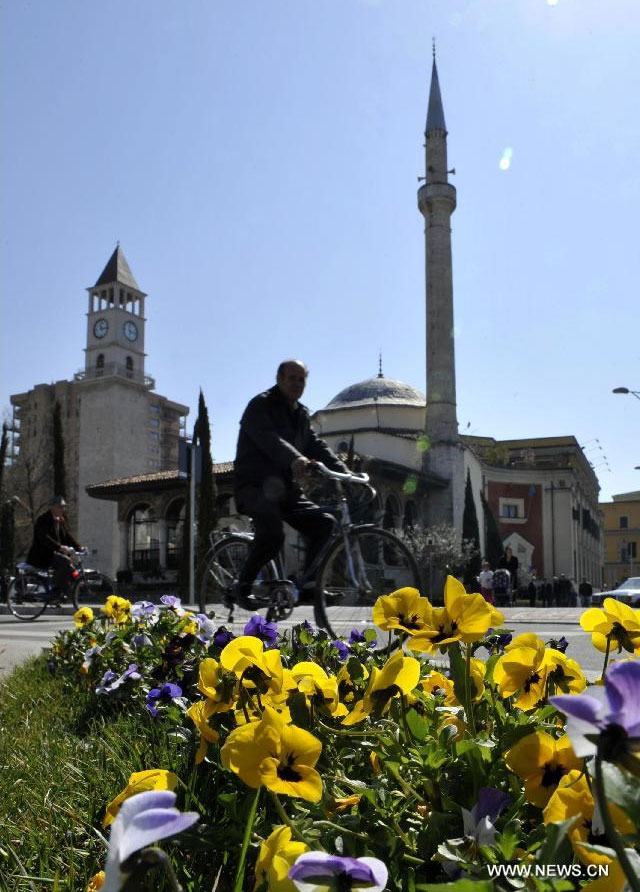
115,323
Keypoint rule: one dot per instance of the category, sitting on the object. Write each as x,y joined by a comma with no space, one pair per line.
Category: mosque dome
379,391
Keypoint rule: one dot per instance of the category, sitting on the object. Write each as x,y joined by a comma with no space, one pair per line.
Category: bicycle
32,590
357,564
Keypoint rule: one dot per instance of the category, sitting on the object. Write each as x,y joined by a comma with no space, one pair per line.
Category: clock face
100,328
130,331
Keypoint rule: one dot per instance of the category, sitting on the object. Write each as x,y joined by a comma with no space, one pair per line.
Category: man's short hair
58,501
287,362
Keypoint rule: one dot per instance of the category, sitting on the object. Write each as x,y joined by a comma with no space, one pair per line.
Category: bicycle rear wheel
220,575
91,589
27,596
347,589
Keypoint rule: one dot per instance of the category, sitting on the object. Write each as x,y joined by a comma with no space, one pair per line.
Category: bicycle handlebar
337,475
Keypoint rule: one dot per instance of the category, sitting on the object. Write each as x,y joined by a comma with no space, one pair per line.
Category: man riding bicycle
276,445
53,543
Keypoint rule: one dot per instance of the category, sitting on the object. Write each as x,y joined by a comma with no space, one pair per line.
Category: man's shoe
240,594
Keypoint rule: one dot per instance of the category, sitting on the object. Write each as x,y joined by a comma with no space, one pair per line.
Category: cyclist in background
276,444
52,544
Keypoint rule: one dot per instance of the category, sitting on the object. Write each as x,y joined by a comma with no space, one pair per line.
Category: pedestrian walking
485,579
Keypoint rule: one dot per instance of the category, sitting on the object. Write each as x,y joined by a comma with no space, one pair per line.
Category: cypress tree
4,445
471,533
206,492
493,538
59,475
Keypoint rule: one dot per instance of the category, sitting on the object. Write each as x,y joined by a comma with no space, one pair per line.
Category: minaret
437,202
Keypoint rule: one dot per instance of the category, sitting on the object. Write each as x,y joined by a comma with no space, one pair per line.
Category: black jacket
47,540
272,435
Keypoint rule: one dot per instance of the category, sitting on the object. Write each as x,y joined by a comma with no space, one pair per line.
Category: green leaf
465,885
417,724
622,788
299,711
556,848
458,671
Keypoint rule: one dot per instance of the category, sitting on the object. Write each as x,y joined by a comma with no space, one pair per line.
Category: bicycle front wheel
219,577
350,580
92,589
27,596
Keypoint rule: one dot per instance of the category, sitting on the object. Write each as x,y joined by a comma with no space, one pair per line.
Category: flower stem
238,885
612,834
468,706
606,655
290,824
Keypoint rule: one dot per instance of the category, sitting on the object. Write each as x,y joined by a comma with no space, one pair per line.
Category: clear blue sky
257,160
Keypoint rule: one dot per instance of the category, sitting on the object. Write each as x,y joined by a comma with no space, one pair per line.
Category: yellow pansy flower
118,609
319,688
541,761
617,621
188,625
463,618
399,675
403,609
573,799
278,853
563,674
346,686
247,658
140,782
96,882
478,670
200,713
83,617
438,684
520,671
211,684
273,754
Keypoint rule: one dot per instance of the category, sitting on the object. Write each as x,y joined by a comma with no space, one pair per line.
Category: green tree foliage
493,538
206,492
471,533
59,475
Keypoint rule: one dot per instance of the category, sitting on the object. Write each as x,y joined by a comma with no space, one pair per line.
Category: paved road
18,640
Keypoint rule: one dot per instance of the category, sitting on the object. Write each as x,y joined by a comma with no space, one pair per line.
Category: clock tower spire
115,323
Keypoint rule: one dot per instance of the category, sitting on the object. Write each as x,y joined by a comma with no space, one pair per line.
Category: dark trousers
62,570
269,516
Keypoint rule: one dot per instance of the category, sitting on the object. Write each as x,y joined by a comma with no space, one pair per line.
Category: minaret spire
437,202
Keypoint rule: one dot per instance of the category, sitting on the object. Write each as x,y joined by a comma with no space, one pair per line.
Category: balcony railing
115,370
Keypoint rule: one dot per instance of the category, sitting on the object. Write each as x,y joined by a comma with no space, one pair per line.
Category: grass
61,764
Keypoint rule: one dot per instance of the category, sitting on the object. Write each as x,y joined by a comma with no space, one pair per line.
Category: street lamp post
635,393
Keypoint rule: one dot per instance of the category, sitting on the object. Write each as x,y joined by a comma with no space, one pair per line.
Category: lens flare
423,444
410,485
505,161
552,2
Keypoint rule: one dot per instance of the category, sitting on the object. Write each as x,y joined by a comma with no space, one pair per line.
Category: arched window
129,365
391,519
175,532
100,365
410,515
144,544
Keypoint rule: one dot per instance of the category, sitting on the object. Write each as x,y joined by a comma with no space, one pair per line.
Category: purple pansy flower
342,648
111,682
222,637
143,610
607,719
90,655
164,694
141,639
260,628
206,628
142,820
479,822
357,637
317,871
173,603
495,643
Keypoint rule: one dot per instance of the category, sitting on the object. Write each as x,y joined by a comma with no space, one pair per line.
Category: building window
100,365
144,543
624,522
154,436
410,515
175,532
511,509
129,366
391,518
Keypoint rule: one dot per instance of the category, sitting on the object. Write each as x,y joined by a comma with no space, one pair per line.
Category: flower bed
316,764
